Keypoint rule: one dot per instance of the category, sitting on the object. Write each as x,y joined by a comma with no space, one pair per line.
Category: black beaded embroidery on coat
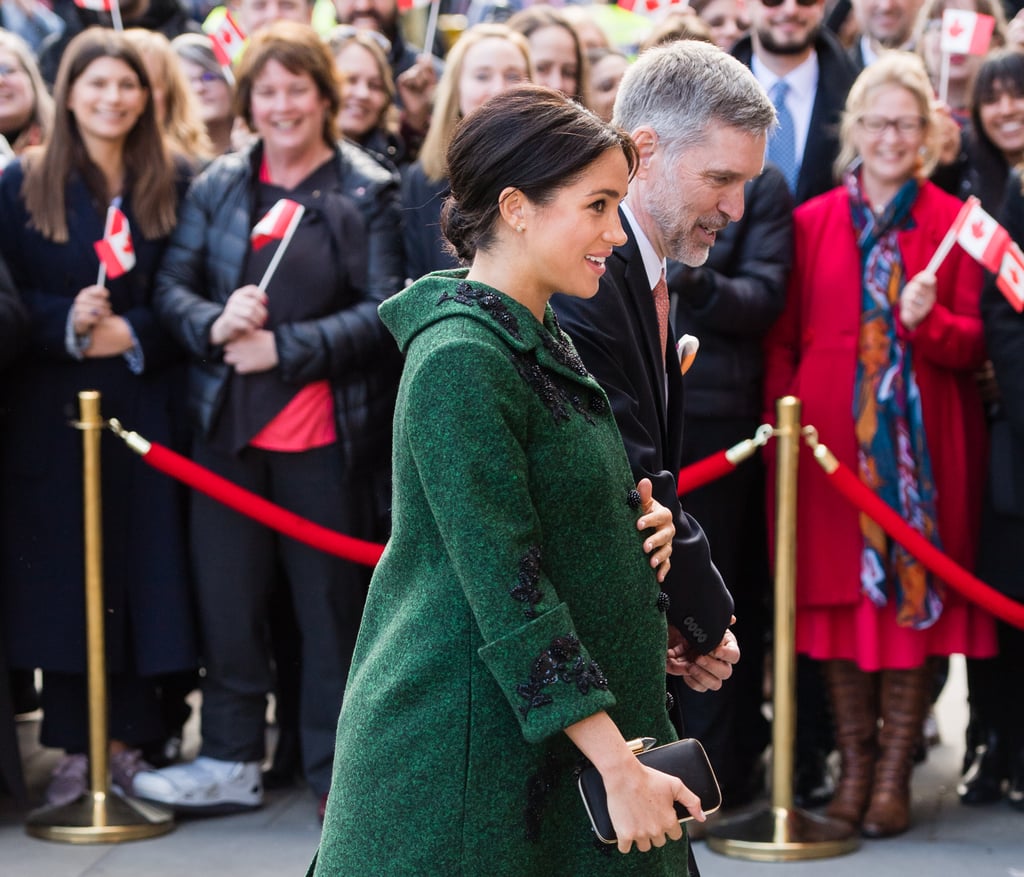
465,294
559,662
664,601
564,353
552,392
539,786
526,589
633,498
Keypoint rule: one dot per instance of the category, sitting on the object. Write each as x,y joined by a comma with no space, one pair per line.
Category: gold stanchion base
99,818
781,835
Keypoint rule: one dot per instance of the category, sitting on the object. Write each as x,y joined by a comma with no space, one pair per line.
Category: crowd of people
774,177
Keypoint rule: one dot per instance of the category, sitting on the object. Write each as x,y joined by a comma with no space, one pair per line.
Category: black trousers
731,511
238,563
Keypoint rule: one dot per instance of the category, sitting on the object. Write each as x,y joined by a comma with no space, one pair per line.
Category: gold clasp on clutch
640,744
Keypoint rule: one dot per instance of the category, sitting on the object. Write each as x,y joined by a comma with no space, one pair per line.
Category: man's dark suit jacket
835,76
616,334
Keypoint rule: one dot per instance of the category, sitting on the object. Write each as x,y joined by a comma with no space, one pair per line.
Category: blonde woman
487,60
26,108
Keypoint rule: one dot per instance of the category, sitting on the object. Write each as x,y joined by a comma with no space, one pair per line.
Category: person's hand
90,306
702,672
658,546
947,133
641,804
416,87
244,311
917,300
253,352
111,336
1015,32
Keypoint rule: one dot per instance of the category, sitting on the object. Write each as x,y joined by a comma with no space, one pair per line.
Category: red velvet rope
260,509
851,487
704,472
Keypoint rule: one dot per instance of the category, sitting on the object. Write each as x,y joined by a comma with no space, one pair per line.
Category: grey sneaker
69,780
204,786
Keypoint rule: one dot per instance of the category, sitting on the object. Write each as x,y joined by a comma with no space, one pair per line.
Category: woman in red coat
882,355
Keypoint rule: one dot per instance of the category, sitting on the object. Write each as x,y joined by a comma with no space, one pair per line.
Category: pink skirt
869,635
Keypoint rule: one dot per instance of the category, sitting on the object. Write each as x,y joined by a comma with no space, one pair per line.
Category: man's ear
646,140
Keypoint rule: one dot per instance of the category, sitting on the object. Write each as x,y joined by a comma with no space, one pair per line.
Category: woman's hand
641,801
244,311
947,133
253,352
917,300
90,306
641,804
111,336
416,87
655,516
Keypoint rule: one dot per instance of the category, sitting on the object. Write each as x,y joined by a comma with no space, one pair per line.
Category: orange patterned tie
660,292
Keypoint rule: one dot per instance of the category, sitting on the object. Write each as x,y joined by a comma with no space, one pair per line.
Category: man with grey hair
700,121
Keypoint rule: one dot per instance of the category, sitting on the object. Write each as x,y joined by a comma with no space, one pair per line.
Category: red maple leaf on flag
978,229
955,29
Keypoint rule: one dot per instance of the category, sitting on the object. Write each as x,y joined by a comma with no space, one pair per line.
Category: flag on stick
650,7
406,5
115,250
965,32
1011,277
980,235
228,40
280,223
110,6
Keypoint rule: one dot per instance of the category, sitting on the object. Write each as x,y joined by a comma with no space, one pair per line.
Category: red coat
811,353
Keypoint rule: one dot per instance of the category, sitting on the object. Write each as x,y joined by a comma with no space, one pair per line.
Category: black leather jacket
350,347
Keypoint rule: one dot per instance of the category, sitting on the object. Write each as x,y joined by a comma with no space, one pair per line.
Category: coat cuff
547,675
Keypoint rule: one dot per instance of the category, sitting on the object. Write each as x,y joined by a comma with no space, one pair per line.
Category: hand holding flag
279,223
115,250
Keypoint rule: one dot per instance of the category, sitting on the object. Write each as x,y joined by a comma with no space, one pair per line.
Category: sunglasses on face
343,32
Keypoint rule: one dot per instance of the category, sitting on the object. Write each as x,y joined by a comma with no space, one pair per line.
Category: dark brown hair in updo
530,138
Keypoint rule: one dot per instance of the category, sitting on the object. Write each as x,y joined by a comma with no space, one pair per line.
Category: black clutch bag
685,759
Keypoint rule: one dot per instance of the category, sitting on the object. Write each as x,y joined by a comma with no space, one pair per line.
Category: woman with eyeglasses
368,116
882,355
214,94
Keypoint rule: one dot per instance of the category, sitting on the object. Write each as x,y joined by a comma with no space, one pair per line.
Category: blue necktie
782,141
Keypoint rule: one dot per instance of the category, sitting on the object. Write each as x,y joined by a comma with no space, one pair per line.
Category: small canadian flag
649,7
406,5
1011,277
284,215
980,235
965,32
115,250
228,40
96,5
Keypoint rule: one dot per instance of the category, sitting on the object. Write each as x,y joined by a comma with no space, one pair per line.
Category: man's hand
702,672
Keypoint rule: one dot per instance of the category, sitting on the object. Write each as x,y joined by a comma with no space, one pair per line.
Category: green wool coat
513,599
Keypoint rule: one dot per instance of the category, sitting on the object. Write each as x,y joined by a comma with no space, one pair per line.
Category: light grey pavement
947,839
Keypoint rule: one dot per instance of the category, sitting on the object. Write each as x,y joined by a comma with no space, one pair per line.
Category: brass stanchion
99,815
783,833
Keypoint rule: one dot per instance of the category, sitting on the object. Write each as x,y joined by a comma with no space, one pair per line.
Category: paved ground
947,839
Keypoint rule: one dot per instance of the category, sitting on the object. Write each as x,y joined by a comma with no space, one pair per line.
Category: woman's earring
520,228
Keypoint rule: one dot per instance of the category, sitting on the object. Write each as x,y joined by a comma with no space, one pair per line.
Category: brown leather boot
905,695
854,696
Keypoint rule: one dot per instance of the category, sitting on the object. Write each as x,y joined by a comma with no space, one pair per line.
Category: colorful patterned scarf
892,449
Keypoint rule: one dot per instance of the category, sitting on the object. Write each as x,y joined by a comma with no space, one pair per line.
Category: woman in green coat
514,630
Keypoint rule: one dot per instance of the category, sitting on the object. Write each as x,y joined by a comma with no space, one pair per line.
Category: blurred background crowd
288,388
